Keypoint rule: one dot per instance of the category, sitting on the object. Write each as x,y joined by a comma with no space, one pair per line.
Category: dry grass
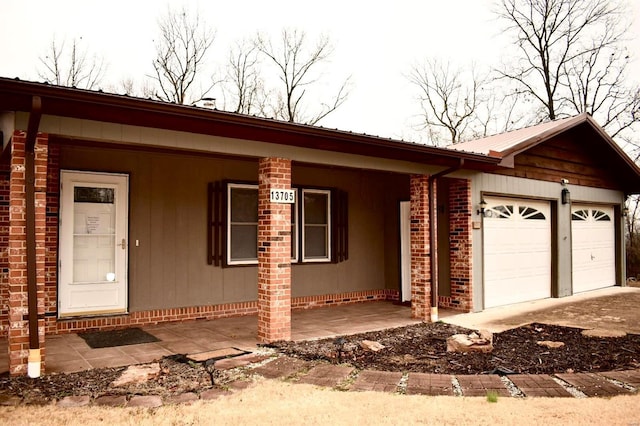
279,403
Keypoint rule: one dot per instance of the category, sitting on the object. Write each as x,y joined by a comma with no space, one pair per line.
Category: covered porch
201,231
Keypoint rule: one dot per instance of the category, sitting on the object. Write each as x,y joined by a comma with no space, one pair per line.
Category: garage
593,250
517,251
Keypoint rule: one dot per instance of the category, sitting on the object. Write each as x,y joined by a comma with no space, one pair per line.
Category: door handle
123,244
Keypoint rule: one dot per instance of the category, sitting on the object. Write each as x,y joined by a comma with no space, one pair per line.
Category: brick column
461,256
420,253
274,252
4,249
51,244
18,336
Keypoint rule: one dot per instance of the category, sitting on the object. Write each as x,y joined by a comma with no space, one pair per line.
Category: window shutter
215,217
341,226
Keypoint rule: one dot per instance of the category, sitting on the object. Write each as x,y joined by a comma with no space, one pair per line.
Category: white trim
231,186
295,225
327,258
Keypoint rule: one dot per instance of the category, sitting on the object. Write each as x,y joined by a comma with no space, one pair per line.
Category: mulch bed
423,348
417,348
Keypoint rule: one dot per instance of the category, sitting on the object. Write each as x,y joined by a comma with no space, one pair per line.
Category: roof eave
77,103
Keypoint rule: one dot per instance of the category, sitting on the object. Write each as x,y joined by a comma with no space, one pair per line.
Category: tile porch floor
69,352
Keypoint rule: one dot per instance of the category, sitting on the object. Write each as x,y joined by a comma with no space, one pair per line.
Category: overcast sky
376,42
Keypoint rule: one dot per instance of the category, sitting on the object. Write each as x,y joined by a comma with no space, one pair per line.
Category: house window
242,225
316,225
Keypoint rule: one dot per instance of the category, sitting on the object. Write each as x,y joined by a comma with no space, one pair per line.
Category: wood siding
570,156
168,216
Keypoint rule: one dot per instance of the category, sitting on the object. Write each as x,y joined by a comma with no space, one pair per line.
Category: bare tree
71,66
561,61
243,75
596,83
298,66
449,99
131,87
181,51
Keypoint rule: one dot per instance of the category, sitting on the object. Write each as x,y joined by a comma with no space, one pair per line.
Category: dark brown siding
570,156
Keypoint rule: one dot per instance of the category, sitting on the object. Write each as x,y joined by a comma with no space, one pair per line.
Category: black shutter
340,226
215,208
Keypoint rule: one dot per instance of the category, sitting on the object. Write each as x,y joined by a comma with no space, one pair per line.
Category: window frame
295,227
228,234
328,227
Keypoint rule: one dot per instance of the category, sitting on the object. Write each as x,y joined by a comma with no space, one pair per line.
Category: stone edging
346,378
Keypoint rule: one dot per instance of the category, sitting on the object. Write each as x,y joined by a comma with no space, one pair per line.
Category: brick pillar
18,337
461,256
4,249
51,261
420,253
274,252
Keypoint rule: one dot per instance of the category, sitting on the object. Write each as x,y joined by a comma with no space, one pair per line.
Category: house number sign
283,196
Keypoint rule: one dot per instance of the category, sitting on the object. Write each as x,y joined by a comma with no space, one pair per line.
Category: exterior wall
494,184
374,236
168,205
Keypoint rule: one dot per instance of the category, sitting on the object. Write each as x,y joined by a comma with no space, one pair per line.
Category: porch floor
69,352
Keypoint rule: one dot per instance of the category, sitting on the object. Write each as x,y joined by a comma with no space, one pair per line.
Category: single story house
118,211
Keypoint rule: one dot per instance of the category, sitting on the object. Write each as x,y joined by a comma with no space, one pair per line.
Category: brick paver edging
346,378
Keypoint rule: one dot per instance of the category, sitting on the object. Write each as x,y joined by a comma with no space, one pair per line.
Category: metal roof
503,144
17,95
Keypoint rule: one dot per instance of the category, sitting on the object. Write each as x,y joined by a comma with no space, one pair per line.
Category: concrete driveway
612,309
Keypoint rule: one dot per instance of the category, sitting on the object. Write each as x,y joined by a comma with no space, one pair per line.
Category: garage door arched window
593,214
508,211
499,212
529,213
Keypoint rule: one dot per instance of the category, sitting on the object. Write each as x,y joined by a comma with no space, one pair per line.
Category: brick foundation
18,335
274,252
212,312
420,250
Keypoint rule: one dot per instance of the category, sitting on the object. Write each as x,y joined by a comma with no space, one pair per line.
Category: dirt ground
272,402
423,348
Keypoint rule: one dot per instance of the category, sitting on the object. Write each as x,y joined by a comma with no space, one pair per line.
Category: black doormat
108,339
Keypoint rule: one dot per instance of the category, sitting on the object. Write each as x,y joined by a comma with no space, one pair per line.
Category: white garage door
593,247
517,251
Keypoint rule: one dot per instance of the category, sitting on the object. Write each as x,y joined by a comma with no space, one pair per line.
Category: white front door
93,244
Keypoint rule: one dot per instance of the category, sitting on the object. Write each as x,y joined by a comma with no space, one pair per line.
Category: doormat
111,338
